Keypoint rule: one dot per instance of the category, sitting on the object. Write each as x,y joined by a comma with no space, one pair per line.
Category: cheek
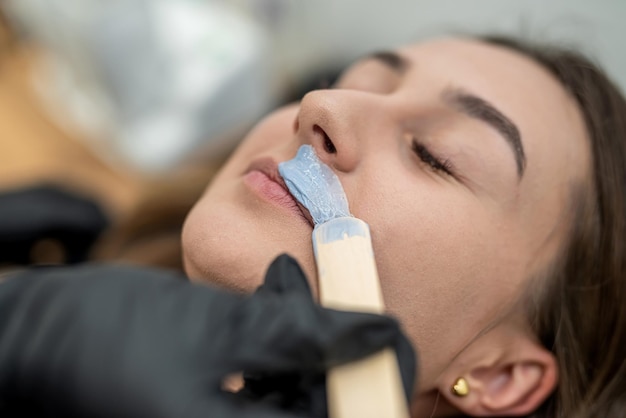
440,259
426,248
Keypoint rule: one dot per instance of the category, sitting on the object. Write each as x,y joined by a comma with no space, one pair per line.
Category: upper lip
269,167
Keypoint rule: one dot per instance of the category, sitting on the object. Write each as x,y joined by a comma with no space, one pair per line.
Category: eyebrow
478,108
471,105
391,59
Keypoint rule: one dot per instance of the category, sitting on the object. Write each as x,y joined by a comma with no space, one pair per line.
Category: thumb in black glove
129,342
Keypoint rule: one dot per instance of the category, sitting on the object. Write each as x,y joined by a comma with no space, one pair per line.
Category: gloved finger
291,390
285,275
291,333
298,393
408,365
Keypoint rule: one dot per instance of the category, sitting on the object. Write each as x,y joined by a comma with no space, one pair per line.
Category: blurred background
131,104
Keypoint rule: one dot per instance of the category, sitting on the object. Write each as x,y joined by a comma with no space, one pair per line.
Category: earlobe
512,381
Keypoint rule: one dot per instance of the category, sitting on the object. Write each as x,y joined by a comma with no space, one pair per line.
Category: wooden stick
348,280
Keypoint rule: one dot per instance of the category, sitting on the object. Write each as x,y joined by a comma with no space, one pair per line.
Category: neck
432,404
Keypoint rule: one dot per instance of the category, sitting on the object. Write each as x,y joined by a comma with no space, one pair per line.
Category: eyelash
436,164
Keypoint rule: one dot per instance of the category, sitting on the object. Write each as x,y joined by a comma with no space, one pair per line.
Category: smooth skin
461,222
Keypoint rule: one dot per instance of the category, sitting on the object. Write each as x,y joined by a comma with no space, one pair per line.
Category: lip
263,178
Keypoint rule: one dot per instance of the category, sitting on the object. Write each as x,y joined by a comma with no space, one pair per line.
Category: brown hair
581,313
150,233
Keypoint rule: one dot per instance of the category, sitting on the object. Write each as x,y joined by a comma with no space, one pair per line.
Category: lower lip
272,191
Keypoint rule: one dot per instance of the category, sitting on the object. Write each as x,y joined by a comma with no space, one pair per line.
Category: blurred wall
316,33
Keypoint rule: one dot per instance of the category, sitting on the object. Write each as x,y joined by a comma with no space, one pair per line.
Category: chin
234,252
226,273
242,272
220,254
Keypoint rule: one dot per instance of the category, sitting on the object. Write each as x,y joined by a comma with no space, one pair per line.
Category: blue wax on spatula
348,279
315,186
318,189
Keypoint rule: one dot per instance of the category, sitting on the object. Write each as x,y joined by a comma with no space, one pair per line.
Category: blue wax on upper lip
314,185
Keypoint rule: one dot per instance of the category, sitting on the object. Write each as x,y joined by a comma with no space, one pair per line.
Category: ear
507,371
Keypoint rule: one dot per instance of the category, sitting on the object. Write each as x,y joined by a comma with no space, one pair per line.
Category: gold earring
460,387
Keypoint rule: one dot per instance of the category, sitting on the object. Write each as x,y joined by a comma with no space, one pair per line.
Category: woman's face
459,155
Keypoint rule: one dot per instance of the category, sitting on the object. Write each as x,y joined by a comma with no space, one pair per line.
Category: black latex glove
28,216
129,342
301,390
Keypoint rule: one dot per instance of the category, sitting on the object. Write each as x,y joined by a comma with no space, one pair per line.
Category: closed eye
436,164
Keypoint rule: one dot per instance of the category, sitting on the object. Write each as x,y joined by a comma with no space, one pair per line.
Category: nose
339,124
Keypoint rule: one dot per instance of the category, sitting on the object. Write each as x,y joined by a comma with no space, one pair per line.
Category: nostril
329,147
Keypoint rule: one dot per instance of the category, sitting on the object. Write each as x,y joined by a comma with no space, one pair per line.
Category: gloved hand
304,391
28,216
130,342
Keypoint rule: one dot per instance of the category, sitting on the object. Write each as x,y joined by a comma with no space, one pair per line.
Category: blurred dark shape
320,80
46,224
